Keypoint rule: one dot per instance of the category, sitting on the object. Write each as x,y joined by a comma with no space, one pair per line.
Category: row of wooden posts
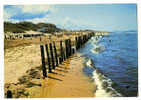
53,59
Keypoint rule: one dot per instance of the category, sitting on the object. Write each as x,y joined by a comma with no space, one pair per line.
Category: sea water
112,61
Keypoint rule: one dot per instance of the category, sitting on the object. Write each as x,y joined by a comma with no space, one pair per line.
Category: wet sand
70,81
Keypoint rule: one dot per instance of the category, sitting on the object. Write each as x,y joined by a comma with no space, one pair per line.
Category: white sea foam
97,49
94,40
89,63
103,83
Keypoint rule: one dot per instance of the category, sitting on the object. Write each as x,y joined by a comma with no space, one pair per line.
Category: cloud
36,8
6,15
70,23
41,13
9,11
38,20
19,12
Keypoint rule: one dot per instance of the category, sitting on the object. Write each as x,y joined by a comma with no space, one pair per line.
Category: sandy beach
67,77
69,83
23,72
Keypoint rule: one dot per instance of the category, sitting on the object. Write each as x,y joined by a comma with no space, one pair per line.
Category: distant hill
21,27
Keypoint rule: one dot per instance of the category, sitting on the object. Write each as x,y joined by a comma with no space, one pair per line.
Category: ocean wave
98,49
95,40
89,63
103,83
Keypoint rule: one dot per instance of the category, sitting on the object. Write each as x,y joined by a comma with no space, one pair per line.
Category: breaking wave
104,85
98,49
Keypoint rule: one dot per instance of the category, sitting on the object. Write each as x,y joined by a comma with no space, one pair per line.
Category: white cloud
38,20
34,20
6,15
31,9
37,8
14,20
9,12
63,21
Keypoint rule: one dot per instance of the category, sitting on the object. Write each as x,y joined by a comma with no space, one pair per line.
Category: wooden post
48,58
52,58
60,60
70,51
9,94
43,60
76,42
73,50
40,39
80,41
66,45
79,45
85,38
64,56
61,51
56,56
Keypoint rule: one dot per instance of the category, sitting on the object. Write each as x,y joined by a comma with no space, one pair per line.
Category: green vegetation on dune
21,27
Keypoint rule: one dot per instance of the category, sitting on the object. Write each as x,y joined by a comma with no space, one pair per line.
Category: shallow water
116,56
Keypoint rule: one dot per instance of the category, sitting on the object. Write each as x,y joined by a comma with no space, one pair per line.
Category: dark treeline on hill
21,27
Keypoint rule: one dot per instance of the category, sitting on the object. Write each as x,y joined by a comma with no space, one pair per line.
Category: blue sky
106,17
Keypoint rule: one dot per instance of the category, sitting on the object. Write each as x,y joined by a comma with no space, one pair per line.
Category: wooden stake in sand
43,60
76,42
48,58
9,94
79,45
70,47
60,60
40,39
66,46
61,52
73,50
52,58
56,56
64,56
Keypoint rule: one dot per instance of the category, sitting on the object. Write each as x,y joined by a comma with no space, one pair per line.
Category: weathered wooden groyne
52,55
54,59
13,36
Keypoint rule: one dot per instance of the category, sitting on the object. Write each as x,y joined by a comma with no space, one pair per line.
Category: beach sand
70,83
21,55
23,76
18,60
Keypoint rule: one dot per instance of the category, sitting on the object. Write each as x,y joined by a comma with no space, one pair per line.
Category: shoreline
23,72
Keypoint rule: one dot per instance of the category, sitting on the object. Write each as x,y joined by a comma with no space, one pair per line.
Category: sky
104,17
